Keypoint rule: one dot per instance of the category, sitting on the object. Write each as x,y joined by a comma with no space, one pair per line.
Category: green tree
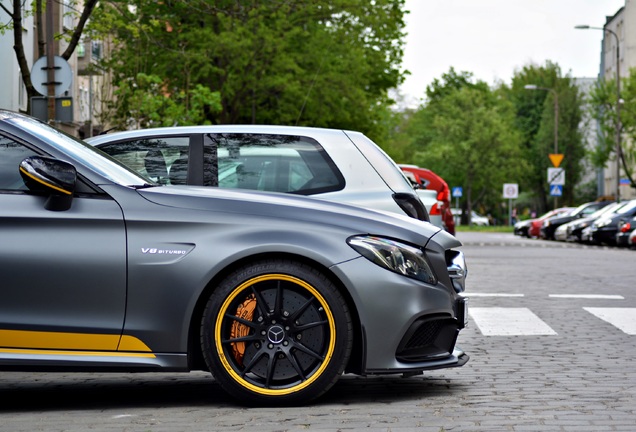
323,63
535,118
465,132
603,110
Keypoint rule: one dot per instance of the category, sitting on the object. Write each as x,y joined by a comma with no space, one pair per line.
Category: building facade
621,29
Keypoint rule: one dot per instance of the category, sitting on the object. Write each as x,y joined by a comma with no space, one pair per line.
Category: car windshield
627,207
610,208
84,153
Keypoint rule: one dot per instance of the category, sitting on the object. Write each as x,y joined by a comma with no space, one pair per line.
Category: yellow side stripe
75,353
20,339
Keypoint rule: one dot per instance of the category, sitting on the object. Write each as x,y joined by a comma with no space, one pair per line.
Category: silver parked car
276,295
335,165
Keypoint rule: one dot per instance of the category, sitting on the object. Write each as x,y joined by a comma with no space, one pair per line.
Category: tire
276,332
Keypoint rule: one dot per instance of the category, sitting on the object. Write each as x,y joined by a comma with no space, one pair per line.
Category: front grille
427,338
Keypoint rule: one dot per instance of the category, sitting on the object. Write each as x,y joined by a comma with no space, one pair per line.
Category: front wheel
276,332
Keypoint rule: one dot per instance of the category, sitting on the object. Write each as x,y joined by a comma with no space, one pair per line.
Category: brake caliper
244,311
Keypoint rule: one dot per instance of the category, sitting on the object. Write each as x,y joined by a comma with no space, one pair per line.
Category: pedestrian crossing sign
556,190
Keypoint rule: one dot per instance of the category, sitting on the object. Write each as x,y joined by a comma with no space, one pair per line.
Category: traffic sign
556,176
556,190
556,159
511,190
457,191
63,76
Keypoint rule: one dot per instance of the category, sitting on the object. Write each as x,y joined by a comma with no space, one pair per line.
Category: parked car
428,180
575,228
275,294
335,165
534,230
604,229
531,227
475,218
549,226
625,229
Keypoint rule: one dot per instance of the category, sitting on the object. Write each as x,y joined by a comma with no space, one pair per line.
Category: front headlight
395,256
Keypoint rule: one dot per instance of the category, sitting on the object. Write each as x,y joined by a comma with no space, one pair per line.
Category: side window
164,160
11,154
275,163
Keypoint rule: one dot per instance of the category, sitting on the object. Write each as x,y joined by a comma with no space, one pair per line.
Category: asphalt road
551,338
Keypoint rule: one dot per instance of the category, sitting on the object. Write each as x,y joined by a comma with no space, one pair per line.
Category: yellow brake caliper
246,312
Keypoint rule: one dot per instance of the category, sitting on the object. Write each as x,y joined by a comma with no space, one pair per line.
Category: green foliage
535,119
603,109
323,63
148,102
465,133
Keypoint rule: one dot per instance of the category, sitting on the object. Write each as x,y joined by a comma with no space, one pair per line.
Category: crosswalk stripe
589,296
496,321
622,318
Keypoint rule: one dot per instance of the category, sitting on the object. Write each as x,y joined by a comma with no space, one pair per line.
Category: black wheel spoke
271,369
301,309
303,327
302,348
261,304
248,323
296,366
248,338
253,361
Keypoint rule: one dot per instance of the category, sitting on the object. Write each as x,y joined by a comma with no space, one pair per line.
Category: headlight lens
395,256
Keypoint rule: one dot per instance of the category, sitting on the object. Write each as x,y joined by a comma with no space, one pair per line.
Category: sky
494,38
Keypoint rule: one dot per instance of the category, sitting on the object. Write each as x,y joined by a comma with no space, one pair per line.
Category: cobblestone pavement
579,379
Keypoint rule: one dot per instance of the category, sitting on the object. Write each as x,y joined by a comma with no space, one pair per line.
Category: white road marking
496,321
492,295
623,318
589,296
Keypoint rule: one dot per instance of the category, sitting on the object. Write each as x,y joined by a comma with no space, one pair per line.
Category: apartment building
620,28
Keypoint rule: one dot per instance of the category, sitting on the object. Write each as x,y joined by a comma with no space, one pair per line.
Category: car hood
297,208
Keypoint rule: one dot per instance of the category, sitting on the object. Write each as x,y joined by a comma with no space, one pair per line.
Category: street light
556,118
618,107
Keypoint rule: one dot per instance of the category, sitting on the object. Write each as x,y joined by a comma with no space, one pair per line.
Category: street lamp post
556,118
618,107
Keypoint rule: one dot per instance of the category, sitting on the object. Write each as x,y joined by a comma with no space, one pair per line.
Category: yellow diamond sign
556,159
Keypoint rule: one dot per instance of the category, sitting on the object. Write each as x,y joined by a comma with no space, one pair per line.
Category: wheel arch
195,354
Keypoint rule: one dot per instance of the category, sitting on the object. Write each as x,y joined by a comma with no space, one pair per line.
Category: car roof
187,130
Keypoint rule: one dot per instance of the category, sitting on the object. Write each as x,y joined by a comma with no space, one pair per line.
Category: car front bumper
406,326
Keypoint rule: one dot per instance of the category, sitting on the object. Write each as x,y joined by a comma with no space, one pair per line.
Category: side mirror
50,176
